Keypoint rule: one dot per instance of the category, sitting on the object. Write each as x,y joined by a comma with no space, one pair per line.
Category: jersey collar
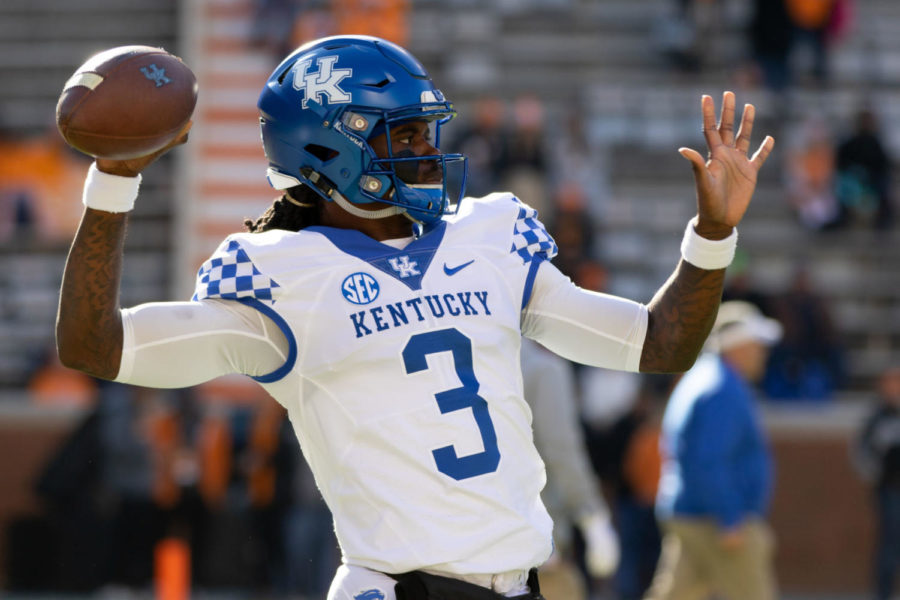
407,265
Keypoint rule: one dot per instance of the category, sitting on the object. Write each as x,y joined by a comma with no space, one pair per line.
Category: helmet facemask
427,186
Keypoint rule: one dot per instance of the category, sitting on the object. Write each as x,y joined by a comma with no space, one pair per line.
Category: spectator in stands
575,159
621,436
771,36
781,28
808,363
39,181
810,176
17,198
572,228
572,493
100,490
130,417
683,34
591,275
635,438
242,454
267,464
483,142
863,174
524,165
188,462
76,556
811,21
256,479
716,480
877,457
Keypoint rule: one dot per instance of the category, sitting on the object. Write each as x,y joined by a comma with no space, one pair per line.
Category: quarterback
385,311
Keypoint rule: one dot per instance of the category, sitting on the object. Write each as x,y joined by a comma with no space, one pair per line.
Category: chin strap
324,188
388,211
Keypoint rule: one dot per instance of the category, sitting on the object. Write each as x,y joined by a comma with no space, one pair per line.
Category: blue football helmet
322,105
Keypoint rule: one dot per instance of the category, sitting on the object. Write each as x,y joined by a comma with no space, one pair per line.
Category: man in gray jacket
572,493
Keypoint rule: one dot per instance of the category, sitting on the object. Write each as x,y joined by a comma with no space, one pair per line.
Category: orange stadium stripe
242,9
215,232
231,114
248,151
221,44
236,189
233,80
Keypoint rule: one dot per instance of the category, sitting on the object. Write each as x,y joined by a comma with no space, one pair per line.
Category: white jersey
403,382
400,372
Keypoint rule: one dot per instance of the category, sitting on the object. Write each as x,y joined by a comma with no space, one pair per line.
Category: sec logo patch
360,288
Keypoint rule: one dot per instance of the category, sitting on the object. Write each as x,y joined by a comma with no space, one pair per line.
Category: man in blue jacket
716,480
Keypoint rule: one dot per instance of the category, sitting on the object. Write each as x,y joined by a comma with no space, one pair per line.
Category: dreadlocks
296,209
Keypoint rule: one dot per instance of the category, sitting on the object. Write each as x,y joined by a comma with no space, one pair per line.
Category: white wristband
111,193
707,254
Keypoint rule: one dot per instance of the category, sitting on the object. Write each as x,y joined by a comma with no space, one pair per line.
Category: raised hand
727,178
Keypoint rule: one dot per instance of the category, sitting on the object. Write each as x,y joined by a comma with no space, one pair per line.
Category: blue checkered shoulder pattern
230,274
530,238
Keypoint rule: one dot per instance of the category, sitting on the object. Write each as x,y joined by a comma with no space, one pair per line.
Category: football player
384,312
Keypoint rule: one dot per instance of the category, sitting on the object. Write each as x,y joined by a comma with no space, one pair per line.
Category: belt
421,585
509,583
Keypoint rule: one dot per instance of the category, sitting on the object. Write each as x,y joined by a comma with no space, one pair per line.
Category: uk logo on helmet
324,82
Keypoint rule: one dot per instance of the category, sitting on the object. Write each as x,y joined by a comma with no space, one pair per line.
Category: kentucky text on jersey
397,314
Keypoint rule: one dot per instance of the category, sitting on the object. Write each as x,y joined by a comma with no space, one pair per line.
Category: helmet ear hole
321,152
284,73
379,84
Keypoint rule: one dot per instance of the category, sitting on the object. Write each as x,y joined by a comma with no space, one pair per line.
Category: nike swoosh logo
454,270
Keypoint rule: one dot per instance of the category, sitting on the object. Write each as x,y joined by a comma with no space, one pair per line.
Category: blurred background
578,106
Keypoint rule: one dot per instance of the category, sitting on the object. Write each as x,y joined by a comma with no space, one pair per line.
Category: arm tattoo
681,315
88,324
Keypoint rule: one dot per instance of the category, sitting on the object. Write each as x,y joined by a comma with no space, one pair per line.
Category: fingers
134,166
759,158
743,139
723,134
692,155
698,163
710,132
726,121
182,136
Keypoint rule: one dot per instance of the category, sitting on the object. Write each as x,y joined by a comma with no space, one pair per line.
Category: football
126,102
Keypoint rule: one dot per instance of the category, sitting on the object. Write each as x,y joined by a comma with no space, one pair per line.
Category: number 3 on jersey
453,341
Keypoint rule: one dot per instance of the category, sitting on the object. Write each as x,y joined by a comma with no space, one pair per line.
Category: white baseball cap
739,322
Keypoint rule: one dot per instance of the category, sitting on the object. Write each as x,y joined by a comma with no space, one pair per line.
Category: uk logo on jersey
404,267
373,594
322,83
360,288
